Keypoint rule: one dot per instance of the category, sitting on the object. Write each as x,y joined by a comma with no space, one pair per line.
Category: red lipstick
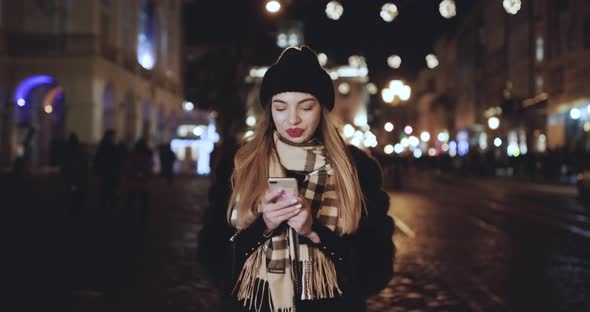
295,132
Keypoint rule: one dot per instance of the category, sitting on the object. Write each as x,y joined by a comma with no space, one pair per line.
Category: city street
500,244
116,115
464,244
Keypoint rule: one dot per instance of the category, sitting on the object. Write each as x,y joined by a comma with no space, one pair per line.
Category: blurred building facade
87,66
528,70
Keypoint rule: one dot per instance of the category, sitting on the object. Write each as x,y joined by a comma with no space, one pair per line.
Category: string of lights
389,12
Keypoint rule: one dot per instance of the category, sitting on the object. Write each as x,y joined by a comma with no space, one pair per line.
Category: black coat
364,260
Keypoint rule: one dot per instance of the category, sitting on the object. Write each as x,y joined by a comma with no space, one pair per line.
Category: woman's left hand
303,221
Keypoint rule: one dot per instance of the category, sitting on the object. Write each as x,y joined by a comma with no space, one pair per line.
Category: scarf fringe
319,281
250,291
319,278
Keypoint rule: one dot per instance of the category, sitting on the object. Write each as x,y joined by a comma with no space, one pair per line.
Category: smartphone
287,184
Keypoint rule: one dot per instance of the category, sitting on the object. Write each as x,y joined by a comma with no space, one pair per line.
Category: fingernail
294,201
298,206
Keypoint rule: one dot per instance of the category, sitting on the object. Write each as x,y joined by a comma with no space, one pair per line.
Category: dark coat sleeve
213,251
222,250
375,250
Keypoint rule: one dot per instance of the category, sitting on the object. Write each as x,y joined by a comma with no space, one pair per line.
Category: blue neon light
23,89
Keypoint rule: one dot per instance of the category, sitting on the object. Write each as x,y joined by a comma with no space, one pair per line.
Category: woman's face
296,115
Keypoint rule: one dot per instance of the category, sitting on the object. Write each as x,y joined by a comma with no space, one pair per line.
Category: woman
329,247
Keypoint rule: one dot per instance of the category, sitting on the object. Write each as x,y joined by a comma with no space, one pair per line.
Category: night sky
360,30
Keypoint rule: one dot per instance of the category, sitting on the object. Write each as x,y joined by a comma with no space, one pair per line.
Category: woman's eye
306,108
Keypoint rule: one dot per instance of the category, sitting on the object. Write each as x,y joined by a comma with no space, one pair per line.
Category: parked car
583,182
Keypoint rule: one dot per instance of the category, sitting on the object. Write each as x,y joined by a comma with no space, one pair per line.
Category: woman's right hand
276,207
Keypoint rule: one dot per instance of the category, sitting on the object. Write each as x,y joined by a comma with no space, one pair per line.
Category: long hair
252,160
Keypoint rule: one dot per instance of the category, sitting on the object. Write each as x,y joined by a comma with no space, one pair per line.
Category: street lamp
344,88
431,61
389,12
372,88
323,59
396,89
388,149
388,127
575,114
334,10
348,130
396,86
251,121
405,93
273,6
512,6
405,142
408,130
447,9
497,142
494,123
188,106
388,95
443,136
394,61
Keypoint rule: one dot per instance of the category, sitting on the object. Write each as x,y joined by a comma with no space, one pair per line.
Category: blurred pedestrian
22,161
107,166
167,159
138,175
73,170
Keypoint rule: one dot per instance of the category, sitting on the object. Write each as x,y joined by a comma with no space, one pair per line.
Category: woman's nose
294,117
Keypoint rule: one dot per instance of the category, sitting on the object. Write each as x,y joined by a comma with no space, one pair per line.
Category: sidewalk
91,263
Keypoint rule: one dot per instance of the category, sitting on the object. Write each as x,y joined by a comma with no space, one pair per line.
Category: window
556,83
562,5
126,22
572,34
146,43
105,20
587,32
163,31
105,26
539,83
540,50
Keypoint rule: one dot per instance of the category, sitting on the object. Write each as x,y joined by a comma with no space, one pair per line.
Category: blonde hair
252,161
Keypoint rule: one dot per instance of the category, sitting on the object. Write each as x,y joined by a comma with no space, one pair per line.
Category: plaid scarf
282,267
